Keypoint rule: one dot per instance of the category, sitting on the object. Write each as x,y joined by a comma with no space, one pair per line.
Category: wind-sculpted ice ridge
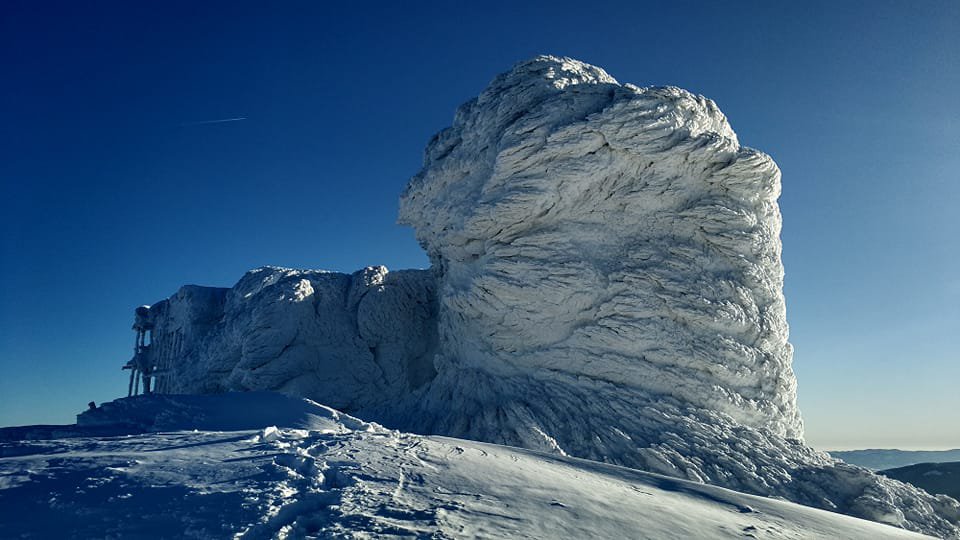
612,233
610,287
606,283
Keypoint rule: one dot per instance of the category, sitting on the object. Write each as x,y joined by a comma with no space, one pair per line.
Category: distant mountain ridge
934,478
879,459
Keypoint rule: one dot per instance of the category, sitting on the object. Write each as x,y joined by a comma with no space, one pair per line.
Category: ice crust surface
269,466
606,284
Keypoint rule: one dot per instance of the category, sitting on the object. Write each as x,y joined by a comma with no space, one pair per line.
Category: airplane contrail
220,121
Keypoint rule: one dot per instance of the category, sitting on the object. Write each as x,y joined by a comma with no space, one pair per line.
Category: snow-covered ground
260,465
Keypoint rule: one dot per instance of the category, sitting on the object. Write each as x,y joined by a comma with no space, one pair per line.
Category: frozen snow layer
357,341
221,412
347,479
597,421
611,233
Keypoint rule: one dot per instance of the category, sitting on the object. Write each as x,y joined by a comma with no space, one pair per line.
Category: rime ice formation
618,234
606,284
357,342
610,286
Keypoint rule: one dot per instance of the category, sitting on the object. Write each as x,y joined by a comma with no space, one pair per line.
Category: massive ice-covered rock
610,286
606,232
606,283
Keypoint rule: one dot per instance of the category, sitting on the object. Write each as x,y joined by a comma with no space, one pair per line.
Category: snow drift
606,283
289,468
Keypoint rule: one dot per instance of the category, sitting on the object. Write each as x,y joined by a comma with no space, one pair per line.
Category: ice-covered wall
359,342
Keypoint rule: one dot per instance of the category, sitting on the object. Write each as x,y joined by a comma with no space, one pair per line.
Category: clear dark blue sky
113,196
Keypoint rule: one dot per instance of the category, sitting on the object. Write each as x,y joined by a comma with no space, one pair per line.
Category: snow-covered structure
359,342
606,283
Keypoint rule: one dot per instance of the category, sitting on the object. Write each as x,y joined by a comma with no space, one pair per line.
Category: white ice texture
269,466
606,283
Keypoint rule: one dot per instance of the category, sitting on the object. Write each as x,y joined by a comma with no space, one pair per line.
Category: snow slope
311,472
606,283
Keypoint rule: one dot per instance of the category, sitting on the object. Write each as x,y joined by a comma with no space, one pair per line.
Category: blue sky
112,196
